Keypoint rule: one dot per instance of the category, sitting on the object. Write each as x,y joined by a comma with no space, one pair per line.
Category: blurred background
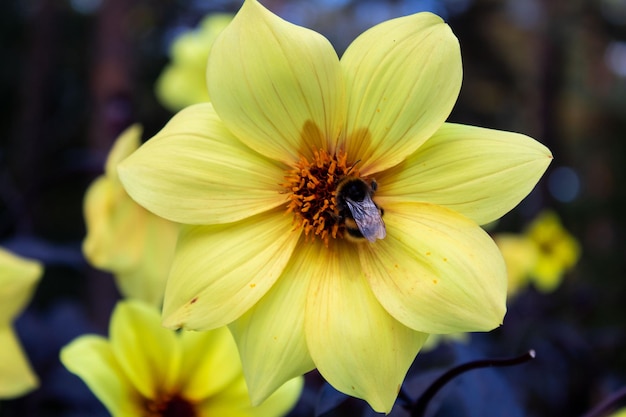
75,73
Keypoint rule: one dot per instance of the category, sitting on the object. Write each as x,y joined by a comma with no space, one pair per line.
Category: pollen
311,186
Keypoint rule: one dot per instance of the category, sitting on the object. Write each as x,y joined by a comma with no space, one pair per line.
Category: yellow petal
547,274
229,403
481,173
183,82
356,345
18,278
557,250
127,143
103,205
520,255
270,336
194,171
192,47
148,353
91,358
155,237
210,363
212,25
234,401
436,271
179,87
143,284
127,240
221,271
16,376
403,77
276,86
281,401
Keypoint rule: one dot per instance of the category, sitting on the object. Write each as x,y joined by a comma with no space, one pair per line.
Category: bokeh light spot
85,6
564,184
615,57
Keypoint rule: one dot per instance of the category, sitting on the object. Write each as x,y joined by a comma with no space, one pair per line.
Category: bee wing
367,217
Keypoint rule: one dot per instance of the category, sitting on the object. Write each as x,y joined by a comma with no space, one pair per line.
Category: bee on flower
362,218
257,179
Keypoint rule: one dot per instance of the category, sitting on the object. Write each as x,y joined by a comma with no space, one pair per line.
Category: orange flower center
167,405
312,189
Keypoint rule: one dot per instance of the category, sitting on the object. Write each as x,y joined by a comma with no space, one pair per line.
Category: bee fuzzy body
360,215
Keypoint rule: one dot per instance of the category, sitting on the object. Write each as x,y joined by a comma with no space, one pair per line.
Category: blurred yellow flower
288,123
619,413
147,370
123,237
541,255
183,80
18,278
520,255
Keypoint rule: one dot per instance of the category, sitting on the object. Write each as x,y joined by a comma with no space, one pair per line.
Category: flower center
312,189
169,406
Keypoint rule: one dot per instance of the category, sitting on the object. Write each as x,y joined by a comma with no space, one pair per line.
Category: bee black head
354,189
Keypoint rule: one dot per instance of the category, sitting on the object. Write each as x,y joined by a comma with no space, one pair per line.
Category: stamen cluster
312,189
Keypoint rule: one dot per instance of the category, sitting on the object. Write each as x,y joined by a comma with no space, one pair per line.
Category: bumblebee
362,218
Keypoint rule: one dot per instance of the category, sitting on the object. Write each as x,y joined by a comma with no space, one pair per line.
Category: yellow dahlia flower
123,237
541,255
18,278
147,370
254,177
183,80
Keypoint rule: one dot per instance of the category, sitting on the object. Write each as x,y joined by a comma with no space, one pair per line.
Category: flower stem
419,408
